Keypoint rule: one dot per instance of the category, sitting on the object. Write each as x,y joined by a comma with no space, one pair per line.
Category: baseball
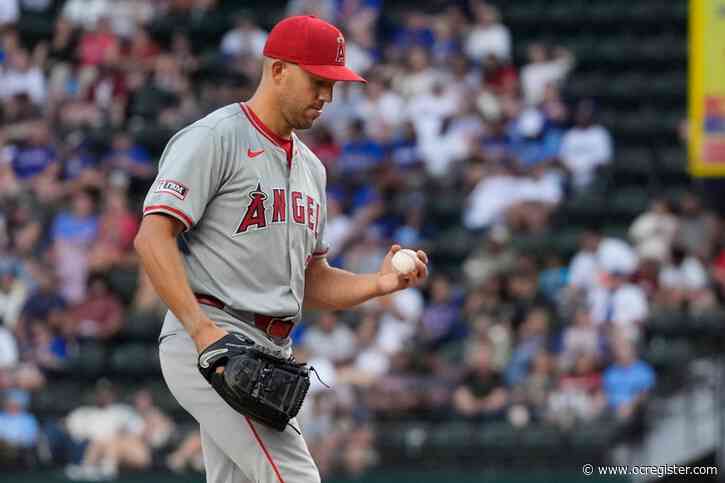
404,260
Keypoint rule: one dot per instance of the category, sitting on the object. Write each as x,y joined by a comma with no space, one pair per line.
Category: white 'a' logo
340,57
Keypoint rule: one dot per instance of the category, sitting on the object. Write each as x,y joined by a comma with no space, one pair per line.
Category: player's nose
325,93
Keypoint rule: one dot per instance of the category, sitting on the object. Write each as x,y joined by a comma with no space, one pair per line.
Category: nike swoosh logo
204,361
254,154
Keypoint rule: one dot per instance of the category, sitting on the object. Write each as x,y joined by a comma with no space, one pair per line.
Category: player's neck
269,115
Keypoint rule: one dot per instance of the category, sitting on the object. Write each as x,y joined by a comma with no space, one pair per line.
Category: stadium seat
501,435
141,326
89,361
668,323
123,282
625,204
666,354
135,359
58,398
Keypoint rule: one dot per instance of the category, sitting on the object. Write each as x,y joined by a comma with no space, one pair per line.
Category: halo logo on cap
340,58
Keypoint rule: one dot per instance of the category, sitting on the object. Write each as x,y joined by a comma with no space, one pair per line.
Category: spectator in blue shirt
416,32
37,155
18,428
359,154
80,225
130,158
628,380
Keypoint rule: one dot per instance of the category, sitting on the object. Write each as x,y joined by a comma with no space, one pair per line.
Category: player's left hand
391,281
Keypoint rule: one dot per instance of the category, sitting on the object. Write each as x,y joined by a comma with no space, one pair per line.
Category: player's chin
305,123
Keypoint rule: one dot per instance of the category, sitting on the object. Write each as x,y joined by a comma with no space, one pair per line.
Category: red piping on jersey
275,138
176,213
264,448
321,253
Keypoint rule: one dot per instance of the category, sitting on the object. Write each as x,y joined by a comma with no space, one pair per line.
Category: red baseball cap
315,45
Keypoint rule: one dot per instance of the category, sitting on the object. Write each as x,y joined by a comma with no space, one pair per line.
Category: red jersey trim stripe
264,449
170,210
275,139
259,126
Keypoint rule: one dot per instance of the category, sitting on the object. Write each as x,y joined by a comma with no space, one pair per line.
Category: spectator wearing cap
619,304
628,381
597,254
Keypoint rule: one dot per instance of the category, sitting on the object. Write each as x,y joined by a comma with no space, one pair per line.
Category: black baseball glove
265,388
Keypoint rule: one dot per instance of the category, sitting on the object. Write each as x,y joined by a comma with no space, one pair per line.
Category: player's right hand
207,336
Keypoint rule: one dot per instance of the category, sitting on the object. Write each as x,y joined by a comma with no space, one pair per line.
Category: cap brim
333,72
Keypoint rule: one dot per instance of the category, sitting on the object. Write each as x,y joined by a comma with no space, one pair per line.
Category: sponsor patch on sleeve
172,187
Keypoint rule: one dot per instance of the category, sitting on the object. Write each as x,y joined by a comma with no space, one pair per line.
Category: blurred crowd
86,109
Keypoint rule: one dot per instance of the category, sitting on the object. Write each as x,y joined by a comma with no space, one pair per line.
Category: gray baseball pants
236,449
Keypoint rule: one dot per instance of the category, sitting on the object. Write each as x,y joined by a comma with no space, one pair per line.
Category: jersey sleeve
190,173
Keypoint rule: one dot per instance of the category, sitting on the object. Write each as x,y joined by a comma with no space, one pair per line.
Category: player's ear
278,69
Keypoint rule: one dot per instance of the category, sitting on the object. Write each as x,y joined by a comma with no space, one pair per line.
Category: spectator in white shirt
585,147
419,77
543,70
22,77
85,13
9,12
8,349
619,305
246,39
597,255
401,312
491,197
683,282
382,108
126,15
653,231
329,339
115,435
488,35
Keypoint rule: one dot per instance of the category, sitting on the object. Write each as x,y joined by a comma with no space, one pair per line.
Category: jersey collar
286,144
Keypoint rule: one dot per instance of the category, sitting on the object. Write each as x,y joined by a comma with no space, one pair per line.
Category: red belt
273,326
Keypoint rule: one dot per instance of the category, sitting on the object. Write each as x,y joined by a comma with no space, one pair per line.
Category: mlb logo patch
172,187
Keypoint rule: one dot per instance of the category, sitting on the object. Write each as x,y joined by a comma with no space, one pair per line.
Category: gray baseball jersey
253,218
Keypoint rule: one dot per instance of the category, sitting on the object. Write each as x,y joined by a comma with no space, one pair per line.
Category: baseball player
233,241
